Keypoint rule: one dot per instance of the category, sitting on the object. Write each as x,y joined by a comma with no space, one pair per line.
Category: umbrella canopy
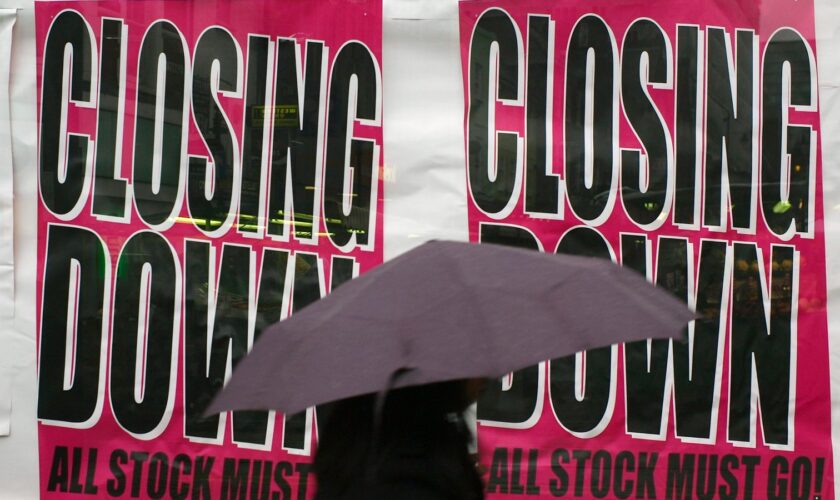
442,311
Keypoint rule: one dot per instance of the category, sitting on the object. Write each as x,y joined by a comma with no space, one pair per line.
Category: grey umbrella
447,310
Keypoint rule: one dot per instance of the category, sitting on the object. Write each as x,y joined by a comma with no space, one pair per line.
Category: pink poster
205,169
680,139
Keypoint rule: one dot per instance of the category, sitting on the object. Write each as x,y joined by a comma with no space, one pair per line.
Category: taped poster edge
826,13
7,289
7,276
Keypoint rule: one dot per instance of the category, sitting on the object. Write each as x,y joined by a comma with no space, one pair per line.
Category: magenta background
813,400
333,21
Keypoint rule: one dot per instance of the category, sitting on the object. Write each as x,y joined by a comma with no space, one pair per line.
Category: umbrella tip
212,409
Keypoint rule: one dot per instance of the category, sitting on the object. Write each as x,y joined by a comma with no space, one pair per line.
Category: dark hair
350,450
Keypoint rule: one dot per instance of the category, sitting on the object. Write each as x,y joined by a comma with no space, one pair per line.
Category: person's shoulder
403,488
415,475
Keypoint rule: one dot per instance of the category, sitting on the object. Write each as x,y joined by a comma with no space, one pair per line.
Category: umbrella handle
378,413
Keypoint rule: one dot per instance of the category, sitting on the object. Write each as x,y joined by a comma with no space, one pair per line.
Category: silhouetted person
415,449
